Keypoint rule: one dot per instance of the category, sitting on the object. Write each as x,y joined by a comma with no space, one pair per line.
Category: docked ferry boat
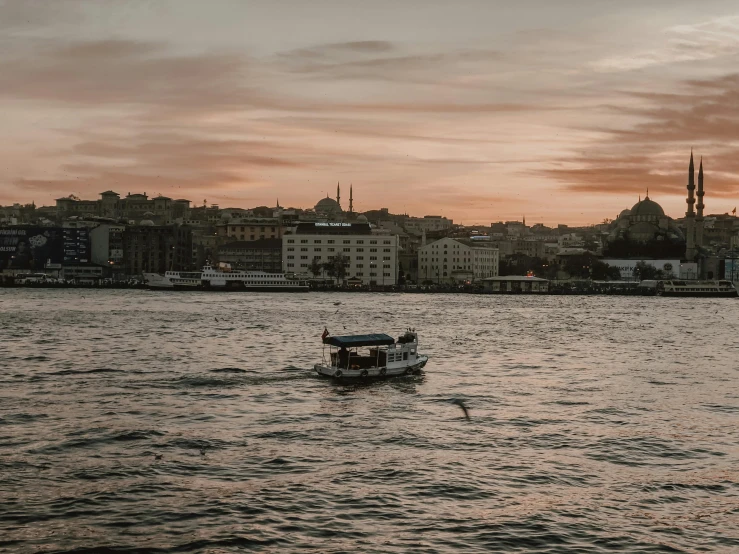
223,277
382,356
708,289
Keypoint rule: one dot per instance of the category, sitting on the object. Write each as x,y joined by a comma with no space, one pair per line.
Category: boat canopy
350,341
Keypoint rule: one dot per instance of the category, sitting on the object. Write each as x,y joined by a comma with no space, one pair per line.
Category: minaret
689,215
338,194
699,209
351,199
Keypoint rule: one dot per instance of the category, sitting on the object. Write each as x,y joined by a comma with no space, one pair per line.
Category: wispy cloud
703,114
681,43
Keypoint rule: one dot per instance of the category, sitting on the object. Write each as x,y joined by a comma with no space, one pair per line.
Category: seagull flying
459,403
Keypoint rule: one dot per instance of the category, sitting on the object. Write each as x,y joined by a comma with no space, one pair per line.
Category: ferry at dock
223,277
704,289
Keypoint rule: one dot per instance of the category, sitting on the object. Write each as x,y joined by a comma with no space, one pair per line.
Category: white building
372,258
451,260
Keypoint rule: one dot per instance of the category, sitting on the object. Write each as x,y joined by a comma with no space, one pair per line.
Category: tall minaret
699,208
338,194
351,199
689,215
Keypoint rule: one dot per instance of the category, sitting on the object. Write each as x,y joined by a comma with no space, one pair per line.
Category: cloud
703,114
682,43
124,72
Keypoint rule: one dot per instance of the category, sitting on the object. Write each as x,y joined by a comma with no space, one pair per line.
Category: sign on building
670,268
30,247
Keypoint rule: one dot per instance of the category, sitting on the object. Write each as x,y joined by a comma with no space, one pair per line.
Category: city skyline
564,114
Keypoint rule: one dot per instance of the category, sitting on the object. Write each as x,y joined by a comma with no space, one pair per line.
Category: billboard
626,267
23,247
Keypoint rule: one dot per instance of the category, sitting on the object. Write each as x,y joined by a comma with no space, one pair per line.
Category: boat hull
372,372
701,294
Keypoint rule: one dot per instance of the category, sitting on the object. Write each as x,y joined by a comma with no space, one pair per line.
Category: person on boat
343,357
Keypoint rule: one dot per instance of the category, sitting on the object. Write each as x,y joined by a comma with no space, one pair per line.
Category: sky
481,111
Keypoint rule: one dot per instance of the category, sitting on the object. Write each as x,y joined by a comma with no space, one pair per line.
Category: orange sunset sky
563,111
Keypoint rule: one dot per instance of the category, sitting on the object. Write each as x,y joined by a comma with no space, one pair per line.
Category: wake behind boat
223,277
383,357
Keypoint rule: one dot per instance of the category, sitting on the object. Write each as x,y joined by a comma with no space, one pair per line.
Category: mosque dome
643,231
647,207
362,218
624,213
146,223
328,206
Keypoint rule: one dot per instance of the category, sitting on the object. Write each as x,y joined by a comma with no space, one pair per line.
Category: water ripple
132,422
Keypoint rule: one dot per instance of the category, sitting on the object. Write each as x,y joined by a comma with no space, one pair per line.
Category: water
598,424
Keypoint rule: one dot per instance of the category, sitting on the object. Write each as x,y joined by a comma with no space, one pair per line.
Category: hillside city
119,238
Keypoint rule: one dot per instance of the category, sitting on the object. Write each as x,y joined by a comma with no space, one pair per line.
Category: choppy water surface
598,424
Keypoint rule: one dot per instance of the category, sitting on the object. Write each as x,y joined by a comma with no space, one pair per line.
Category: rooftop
516,278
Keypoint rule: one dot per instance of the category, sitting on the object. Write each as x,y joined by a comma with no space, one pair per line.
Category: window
317,241
317,249
360,249
303,249
360,257
386,258
290,248
290,241
386,242
373,257
360,241
290,265
303,257
347,249
373,249
303,241
330,241
359,266
330,249
386,250
373,242
290,257
347,241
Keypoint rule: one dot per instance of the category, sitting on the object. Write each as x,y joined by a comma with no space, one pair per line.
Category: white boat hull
372,372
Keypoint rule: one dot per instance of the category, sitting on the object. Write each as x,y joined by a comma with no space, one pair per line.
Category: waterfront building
258,255
106,246
371,258
161,209
457,260
514,284
157,249
252,228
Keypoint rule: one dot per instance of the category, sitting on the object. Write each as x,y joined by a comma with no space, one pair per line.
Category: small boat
383,356
704,289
